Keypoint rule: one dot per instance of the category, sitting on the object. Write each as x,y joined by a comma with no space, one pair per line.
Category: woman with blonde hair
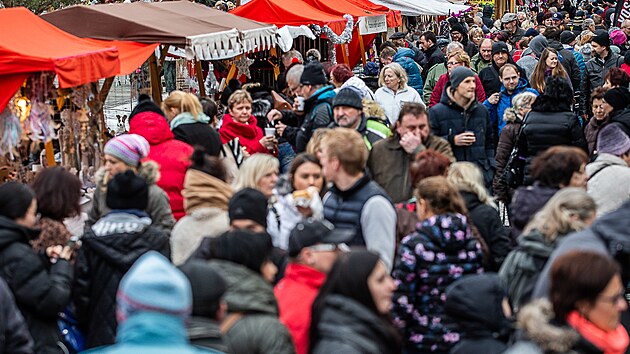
455,59
468,179
569,210
189,123
548,66
394,91
259,171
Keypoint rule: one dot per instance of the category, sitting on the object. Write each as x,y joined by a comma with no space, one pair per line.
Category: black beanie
602,39
498,47
243,247
457,27
127,191
146,104
248,204
313,74
348,97
208,287
618,98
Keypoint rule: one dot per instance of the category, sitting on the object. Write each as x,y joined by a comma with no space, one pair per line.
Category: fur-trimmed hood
149,170
535,319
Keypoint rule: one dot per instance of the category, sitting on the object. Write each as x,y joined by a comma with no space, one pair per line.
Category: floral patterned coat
442,250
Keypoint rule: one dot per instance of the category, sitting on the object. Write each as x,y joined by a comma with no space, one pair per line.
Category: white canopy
423,7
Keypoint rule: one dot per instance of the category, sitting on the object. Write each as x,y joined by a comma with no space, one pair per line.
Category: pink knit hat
618,37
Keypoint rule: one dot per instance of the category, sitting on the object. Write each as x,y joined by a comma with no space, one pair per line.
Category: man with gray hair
438,70
483,59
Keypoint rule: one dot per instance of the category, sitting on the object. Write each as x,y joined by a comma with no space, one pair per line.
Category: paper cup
300,103
270,131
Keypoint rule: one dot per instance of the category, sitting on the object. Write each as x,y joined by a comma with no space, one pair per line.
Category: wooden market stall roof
203,32
29,45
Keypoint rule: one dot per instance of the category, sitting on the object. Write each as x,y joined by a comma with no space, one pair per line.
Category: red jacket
625,67
172,155
295,294
248,134
436,95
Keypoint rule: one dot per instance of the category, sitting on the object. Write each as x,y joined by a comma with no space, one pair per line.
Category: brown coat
389,164
591,130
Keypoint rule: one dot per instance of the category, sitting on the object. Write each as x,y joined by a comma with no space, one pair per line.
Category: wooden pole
362,47
200,79
156,87
50,154
344,51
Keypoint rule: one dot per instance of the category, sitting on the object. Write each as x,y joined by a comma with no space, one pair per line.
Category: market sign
372,24
622,12
483,2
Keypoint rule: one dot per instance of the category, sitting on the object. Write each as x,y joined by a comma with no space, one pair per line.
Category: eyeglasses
296,88
614,299
329,247
452,63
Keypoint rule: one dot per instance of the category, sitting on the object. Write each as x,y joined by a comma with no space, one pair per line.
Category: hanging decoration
242,65
344,38
10,132
40,124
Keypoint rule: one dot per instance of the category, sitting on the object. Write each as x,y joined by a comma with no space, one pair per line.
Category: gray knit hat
348,97
612,140
460,74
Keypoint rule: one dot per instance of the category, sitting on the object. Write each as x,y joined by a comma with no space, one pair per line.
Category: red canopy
356,8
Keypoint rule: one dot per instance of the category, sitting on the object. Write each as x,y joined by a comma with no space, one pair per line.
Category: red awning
287,13
356,8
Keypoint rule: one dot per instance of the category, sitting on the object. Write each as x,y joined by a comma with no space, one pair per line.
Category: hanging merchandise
242,64
40,124
67,138
10,132
344,38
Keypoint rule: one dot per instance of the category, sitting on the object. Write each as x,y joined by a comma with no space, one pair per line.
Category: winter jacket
206,203
441,251
41,289
523,265
449,119
152,332
497,110
389,164
14,334
110,247
621,117
348,327
591,130
569,63
594,74
507,141
318,113
356,83
405,57
526,202
295,294
371,129
52,233
259,329
487,221
392,101
205,333
196,132
173,156
158,208
438,90
579,59
477,63
434,56
547,128
473,306
432,78
542,334
248,134
490,77
608,182
515,37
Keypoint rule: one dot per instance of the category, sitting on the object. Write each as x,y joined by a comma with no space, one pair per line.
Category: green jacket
432,78
258,330
477,63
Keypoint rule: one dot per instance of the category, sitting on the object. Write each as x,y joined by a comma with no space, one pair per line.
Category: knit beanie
618,98
153,284
129,148
617,37
531,32
313,74
612,140
457,27
348,97
208,287
127,191
248,204
243,247
602,39
146,104
566,37
500,47
460,74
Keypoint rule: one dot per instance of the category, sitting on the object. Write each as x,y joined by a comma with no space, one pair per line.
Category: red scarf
611,342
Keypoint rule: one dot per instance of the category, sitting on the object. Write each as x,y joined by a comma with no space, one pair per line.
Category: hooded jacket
491,80
172,156
498,110
258,330
473,306
609,182
41,289
196,132
442,250
357,83
348,327
526,202
434,56
405,57
110,247
318,113
438,90
595,71
158,208
531,55
249,134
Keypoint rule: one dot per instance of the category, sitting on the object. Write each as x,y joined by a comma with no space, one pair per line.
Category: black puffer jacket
486,219
200,134
434,56
526,202
14,335
41,289
348,327
473,306
110,247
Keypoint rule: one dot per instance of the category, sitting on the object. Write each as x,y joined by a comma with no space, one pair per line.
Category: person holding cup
240,123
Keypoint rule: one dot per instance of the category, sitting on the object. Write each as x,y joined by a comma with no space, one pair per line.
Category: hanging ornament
242,64
10,132
40,124
346,35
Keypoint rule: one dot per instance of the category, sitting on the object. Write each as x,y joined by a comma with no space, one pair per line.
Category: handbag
71,336
514,172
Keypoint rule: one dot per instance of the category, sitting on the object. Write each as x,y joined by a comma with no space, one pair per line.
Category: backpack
520,271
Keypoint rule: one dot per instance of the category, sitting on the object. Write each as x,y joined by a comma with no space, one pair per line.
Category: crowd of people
473,202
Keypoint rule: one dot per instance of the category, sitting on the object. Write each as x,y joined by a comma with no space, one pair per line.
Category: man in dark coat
459,34
490,76
596,69
515,33
110,247
433,54
14,334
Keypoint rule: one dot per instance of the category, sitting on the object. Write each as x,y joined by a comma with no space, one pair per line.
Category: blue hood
152,328
522,83
404,53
